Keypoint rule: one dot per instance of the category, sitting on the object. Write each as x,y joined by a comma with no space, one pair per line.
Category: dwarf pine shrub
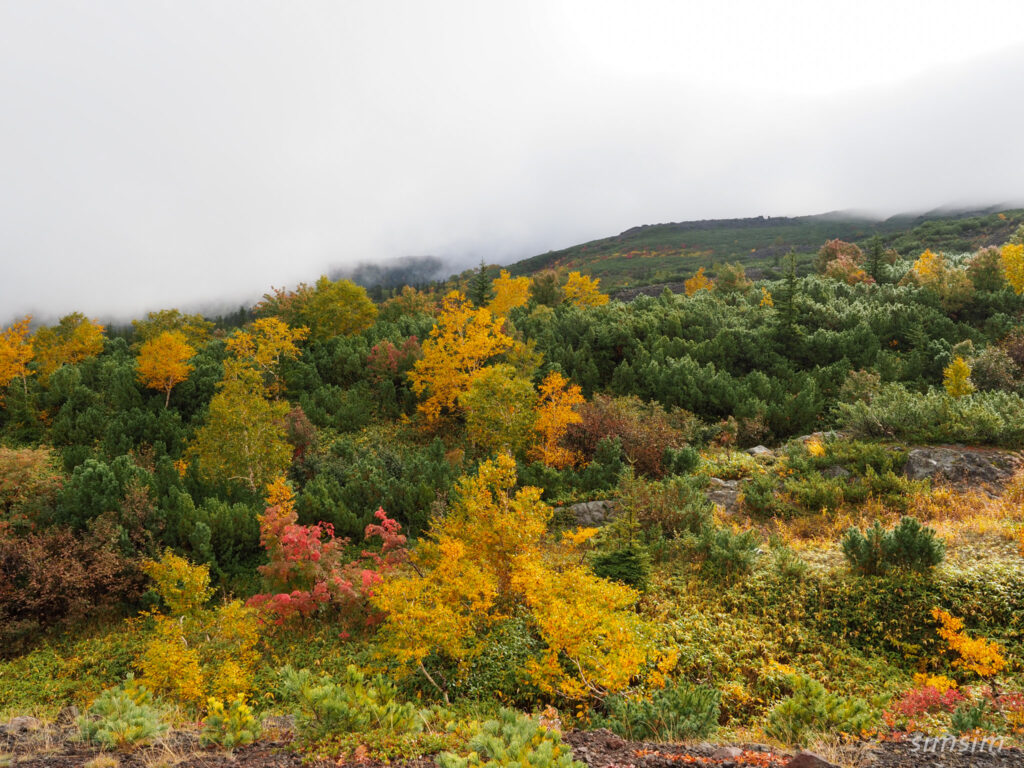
121,717
811,709
356,703
513,739
229,725
910,546
675,713
630,565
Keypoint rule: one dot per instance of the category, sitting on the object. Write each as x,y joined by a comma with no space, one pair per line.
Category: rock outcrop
980,468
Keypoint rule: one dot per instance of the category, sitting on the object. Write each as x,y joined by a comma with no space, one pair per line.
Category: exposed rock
962,466
724,493
727,753
592,513
278,723
23,724
804,759
759,450
835,472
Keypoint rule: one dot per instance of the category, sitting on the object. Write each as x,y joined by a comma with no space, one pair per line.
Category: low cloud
154,158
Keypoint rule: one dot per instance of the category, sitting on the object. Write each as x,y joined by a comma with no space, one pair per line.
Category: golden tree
509,293
499,409
953,286
699,282
459,346
1012,259
73,339
243,438
490,559
329,308
956,378
264,344
928,266
195,328
164,362
554,414
583,291
409,301
15,354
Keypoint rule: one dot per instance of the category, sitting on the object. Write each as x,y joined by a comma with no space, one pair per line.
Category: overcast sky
157,154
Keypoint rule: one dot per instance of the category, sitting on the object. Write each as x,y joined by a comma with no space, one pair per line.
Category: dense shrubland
359,513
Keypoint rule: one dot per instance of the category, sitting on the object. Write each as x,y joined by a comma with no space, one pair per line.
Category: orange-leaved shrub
645,429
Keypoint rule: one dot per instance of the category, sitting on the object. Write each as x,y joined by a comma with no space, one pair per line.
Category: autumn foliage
164,362
264,344
464,339
307,570
15,354
1012,259
699,282
73,339
194,651
583,291
982,657
555,413
509,293
490,559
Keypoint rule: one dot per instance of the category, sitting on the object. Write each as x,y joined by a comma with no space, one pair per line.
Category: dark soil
56,748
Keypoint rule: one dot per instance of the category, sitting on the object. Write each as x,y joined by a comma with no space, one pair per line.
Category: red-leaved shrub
308,572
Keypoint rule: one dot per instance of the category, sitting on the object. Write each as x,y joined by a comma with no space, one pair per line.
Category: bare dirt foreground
56,748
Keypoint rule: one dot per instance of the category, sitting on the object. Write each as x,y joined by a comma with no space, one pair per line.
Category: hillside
655,253
772,513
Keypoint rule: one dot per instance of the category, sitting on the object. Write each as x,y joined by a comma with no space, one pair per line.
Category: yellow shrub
977,655
182,586
196,652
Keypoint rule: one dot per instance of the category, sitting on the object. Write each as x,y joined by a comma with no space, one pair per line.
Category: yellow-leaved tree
243,438
699,282
491,559
583,291
499,409
974,654
956,378
552,417
329,308
460,344
952,285
509,293
72,340
263,344
15,354
1012,259
164,362
195,328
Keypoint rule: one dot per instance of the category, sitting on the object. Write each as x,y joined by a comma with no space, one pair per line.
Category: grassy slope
665,252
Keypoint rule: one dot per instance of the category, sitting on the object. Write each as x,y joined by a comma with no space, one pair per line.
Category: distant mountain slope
665,252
